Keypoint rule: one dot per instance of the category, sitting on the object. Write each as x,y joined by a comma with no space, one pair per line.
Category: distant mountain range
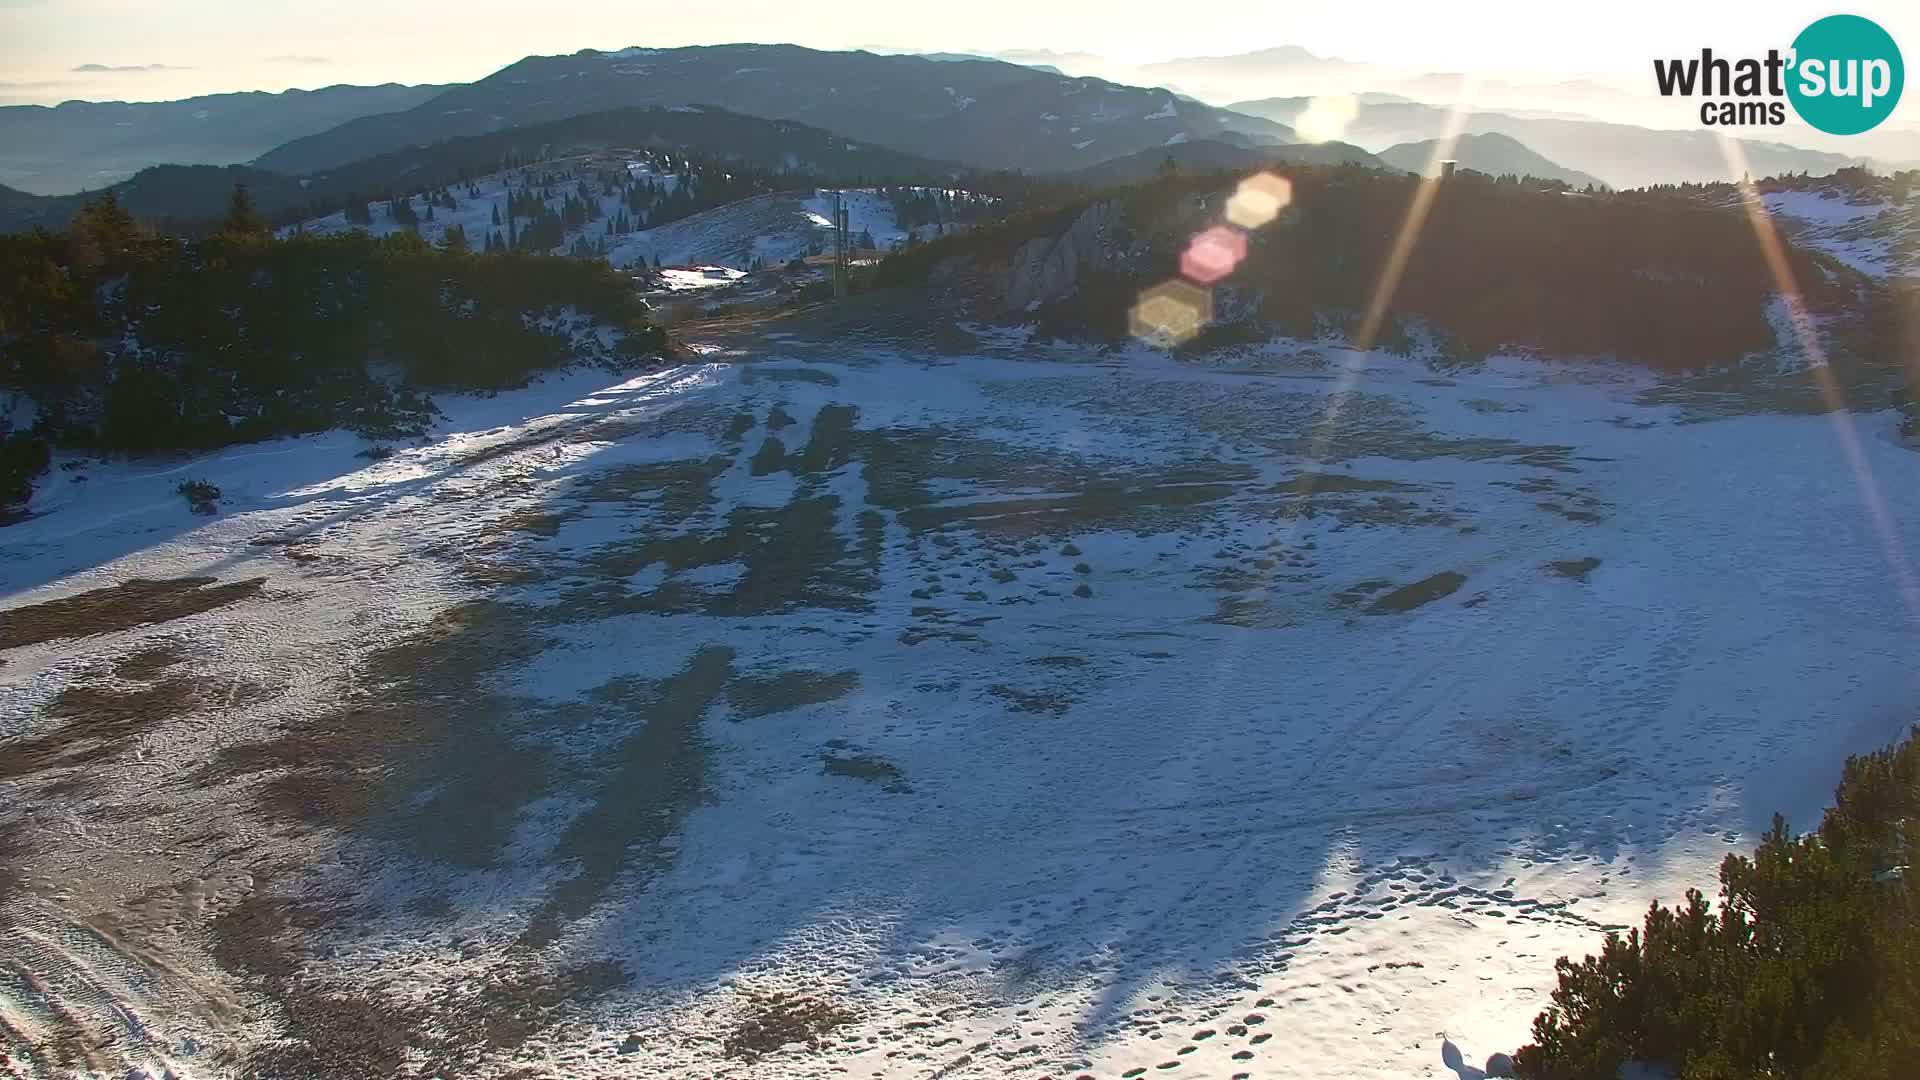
787,108
1281,66
55,150
201,192
1048,68
1491,153
1620,154
1296,71
983,113
158,193
1624,98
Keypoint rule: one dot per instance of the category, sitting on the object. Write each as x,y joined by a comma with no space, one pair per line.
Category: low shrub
203,497
23,457
1809,966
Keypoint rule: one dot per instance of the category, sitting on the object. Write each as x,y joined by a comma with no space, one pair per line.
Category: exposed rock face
1040,271
1044,270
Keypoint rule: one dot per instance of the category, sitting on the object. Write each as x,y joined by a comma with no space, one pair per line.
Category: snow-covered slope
769,229
978,715
1874,235
481,205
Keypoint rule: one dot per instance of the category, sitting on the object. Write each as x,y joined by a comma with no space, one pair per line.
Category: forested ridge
1497,266
119,339
775,153
1853,182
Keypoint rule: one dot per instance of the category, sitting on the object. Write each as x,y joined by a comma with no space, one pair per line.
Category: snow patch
1243,784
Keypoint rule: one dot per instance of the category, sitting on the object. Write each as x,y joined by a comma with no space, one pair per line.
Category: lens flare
1170,313
1326,118
1215,692
1213,254
1259,199
1773,253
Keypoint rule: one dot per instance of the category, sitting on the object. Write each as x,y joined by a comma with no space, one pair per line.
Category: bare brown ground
1425,591
13,852
350,1036
336,766
774,1020
100,719
145,663
363,1035
418,720
138,602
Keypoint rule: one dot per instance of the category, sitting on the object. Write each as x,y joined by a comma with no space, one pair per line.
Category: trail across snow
1043,714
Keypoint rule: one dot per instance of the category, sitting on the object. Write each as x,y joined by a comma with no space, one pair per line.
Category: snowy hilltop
642,211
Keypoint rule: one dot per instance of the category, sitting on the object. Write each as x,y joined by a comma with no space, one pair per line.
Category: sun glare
1327,118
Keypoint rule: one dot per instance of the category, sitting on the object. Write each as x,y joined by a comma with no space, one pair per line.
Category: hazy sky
53,50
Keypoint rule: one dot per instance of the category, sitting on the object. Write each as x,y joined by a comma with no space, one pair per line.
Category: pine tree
496,215
105,224
242,219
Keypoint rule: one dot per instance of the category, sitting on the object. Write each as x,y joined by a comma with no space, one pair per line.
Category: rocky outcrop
1047,269
1040,271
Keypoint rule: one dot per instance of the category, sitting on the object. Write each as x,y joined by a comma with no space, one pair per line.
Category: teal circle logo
1847,75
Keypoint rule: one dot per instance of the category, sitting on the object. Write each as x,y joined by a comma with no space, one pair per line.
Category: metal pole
839,246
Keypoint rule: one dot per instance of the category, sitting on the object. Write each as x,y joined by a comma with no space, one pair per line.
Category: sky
147,50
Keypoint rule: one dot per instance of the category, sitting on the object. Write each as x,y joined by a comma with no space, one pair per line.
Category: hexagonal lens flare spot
1259,199
1213,254
1170,313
